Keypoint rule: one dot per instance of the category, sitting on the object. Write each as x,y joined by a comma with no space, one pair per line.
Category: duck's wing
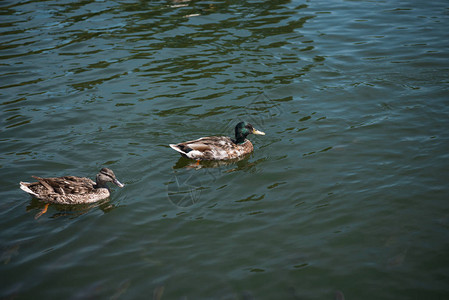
207,148
67,185
43,181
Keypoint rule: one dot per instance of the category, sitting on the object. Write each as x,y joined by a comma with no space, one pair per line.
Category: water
345,197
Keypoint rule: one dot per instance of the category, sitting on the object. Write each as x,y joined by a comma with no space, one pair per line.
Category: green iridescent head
242,130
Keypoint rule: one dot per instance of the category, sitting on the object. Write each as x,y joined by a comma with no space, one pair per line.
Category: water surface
346,195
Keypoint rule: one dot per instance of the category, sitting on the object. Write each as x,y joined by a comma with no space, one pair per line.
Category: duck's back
213,148
65,190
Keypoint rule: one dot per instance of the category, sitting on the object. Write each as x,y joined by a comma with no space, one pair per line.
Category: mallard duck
219,147
71,189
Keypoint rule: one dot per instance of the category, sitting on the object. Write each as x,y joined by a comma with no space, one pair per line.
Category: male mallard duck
219,147
71,189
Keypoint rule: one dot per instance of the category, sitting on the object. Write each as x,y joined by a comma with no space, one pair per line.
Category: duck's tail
24,187
179,149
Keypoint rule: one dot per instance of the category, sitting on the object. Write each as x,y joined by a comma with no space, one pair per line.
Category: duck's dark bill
118,183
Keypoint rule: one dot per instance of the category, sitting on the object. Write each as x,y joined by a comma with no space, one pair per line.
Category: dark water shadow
184,162
191,178
67,210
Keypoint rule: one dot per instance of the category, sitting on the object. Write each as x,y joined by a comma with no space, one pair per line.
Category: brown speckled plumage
71,189
219,147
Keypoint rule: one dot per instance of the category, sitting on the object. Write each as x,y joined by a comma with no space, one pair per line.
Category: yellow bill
255,131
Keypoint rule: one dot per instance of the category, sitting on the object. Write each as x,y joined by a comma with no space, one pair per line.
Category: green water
346,196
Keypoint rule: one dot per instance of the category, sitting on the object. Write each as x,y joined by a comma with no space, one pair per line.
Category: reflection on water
193,164
71,211
8,253
190,178
349,184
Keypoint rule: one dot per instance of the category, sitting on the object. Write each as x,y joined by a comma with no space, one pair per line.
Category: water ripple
347,186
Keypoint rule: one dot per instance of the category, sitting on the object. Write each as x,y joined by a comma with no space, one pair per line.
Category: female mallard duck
71,189
219,147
